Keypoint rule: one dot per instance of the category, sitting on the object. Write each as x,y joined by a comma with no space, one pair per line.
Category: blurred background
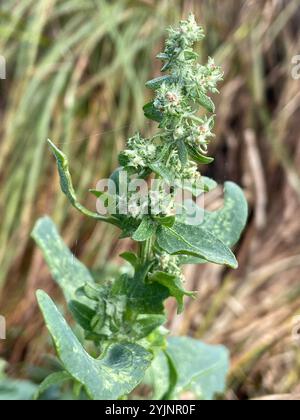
75,72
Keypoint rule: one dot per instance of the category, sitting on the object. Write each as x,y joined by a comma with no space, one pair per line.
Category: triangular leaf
174,285
114,375
145,324
229,222
195,241
205,101
158,376
145,231
200,368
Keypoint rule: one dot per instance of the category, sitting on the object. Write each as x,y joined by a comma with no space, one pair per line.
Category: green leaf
205,101
67,185
165,220
228,223
162,56
145,324
123,161
208,184
195,241
174,285
190,55
119,311
69,273
152,113
200,368
158,376
82,314
121,177
198,157
157,82
114,375
145,231
54,379
201,186
188,259
162,171
131,258
128,225
136,288
182,152
90,291
13,390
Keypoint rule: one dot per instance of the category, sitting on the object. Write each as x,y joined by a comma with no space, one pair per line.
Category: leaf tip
235,265
56,151
51,144
40,295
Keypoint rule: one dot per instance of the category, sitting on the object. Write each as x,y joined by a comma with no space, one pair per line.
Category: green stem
146,250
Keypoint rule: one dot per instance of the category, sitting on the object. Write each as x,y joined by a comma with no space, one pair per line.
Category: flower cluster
183,37
179,94
186,86
207,77
199,135
169,99
140,152
189,171
157,203
170,264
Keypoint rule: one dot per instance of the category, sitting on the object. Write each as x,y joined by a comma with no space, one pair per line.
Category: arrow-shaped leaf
114,375
68,272
200,368
229,222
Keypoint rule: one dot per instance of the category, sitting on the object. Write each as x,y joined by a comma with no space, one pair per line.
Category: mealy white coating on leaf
69,273
228,223
200,368
195,241
115,374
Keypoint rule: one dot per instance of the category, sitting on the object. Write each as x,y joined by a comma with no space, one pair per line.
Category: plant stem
146,250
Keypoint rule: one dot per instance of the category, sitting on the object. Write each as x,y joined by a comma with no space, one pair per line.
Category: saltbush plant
120,340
